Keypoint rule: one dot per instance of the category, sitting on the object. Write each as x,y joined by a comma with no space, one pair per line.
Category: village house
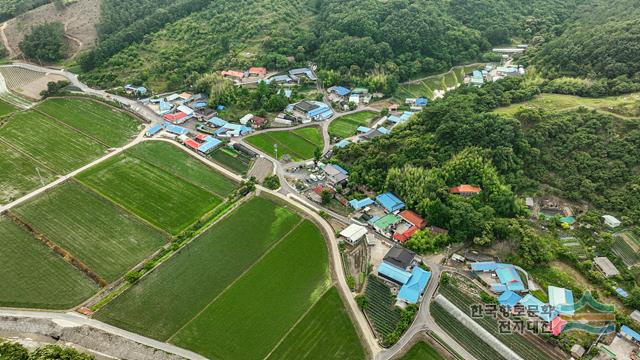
257,72
232,74
606,266
465,190
353,234
611,221
336,175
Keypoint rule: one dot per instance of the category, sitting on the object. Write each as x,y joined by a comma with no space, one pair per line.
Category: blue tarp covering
509,277
155,129
164,106
561,299
393,273
484,266
220,107
509,299
341,90
629,331
477,73
359,204
540,309
209,145
413,289
363,129
422,101
390,202
343,143
622,292
200,104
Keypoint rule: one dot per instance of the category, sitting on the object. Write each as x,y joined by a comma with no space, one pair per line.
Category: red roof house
400,238
319,189
465,190
258,121
231,73
192,144
556,325
202,137
258,71
175,118
413,219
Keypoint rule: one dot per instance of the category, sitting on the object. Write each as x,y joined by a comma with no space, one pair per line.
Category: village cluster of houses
345,97
400,269
493,72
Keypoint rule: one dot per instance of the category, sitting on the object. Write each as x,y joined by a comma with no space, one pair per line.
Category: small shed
611,221
606,266
353,233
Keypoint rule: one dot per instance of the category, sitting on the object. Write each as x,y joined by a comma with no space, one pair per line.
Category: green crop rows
381,309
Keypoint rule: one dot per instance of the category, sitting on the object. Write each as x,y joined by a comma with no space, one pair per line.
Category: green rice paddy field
326,332
159,197
232,159
33,276
18,174
422,351
6,108
299,144
156,306
104,237
100,121
56,147
171,159
346,126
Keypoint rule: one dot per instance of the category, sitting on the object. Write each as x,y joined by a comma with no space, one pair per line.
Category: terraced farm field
164,200
381,310
299,144
104,237
326,332
33,276
19,174
100,121
156,306
427,86
58,147
627,247
465,337
422,351
172,160
236,325
346,126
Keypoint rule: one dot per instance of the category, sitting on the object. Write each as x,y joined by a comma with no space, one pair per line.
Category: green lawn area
167,298
326,332
231,159
298,145
422,351
623,105
58,147
6,108
18,174
100,121
104,237
345,126
177,162
153,194
32,276
250,317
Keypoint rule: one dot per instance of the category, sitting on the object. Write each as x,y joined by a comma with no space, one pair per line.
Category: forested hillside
367,42
602,40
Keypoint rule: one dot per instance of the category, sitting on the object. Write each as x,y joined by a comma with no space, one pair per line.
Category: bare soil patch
27,82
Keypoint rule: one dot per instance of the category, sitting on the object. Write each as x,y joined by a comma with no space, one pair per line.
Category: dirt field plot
34,277
171,159
232,159
19,175
346,126
326,332
626,246
169,202
157,307
250,317
56,146
106,238
110,126
299,146
28,83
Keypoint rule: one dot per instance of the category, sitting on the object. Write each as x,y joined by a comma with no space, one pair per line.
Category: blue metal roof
155,129
343,143
411,291
216,121
394,119
509,299
498,288
174,129
363,129
540,309
622,292
384,131
340,168
629,331
484,266
561,299
319,110
209,145
477,73
341,90
200,104
422,101
390,202
394,273
359,204
509,277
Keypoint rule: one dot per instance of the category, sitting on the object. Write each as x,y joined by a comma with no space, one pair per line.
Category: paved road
71,319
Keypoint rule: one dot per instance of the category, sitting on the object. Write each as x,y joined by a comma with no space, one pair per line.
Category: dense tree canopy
45,43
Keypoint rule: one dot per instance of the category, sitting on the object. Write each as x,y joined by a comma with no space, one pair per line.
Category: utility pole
275,147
